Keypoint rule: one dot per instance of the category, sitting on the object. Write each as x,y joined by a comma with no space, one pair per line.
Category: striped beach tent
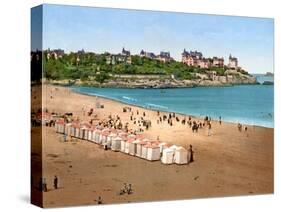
60,126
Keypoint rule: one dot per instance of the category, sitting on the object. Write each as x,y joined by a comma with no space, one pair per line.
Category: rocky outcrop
227,80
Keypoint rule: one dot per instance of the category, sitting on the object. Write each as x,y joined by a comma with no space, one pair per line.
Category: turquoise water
248,104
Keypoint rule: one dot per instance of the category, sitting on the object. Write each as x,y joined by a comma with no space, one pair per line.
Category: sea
245,104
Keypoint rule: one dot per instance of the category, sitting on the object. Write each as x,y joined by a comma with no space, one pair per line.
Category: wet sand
227,163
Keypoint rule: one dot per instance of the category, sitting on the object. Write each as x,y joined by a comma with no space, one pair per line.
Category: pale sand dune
227,163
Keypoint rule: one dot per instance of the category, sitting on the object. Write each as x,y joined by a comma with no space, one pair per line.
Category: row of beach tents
118,140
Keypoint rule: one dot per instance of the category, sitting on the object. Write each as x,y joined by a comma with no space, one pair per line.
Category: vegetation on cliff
95,66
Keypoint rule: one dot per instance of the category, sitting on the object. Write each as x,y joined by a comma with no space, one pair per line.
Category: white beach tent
59,125
82,132
168,156
133,147
67,128
180,156
116,143
91,135
153,152
110,137
97,136
72,129
56,127
139,146
104,136
128,144
85,135
77,130
144,150
123,143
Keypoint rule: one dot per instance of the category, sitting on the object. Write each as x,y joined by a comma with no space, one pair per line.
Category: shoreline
153,87
161,110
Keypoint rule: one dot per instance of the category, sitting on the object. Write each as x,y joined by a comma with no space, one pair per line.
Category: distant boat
268,83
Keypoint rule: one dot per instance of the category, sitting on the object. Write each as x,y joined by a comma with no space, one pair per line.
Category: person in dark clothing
56,182
190,155
220,120
129,189
99,200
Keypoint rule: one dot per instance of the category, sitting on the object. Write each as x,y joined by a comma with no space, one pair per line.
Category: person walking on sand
220,120
56,182
190,155
209,128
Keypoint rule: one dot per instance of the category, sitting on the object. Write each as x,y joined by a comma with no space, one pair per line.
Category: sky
98,30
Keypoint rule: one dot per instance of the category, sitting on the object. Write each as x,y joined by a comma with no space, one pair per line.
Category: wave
156,106
129,98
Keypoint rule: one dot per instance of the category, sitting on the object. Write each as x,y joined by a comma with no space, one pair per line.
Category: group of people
127,189
240,127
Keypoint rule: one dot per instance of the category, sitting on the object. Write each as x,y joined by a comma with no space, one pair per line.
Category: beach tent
77,130
128,144
123,143
133,147
86,131
180,156
104,136
116,143
110,138
86,127
97,136
91,134
68,129
72,129
153,152
82,132
59,126
56,127
44,117
141,143
168,156
144,150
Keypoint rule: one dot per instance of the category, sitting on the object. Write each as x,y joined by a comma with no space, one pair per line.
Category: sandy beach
227,163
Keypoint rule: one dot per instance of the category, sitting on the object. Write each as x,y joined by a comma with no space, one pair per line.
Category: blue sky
99,30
